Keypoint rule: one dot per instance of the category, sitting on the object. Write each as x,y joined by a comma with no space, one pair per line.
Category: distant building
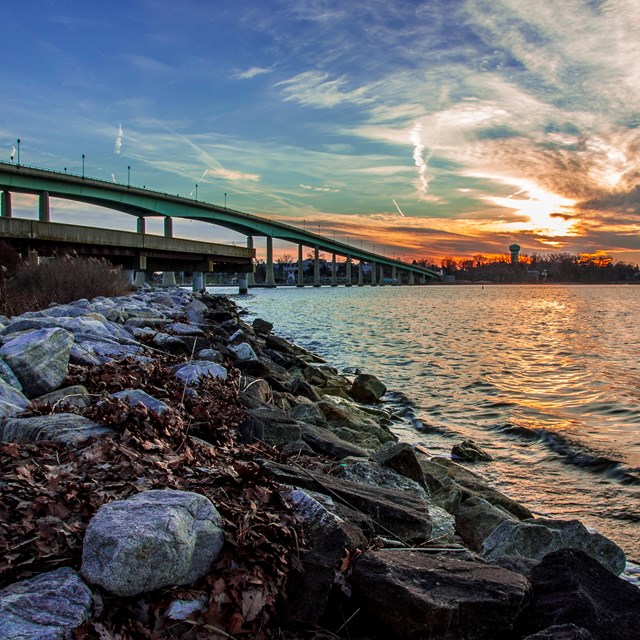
515,253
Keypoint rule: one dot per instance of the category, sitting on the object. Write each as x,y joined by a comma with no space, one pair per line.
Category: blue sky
487,121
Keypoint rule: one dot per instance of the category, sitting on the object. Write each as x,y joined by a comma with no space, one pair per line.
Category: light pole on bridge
225,200
196,193
128,175
18,141
83,166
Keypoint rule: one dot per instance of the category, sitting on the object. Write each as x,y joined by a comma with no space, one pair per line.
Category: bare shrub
61,280
9,258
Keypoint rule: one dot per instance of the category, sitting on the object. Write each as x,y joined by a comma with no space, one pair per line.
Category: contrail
398,208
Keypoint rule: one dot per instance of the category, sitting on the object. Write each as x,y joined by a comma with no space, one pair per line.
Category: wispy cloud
315,89
118,144
252,72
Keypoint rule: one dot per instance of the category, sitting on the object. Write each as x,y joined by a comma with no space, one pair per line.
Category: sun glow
538,211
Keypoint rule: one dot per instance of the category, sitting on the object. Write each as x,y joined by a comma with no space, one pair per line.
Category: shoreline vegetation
172,471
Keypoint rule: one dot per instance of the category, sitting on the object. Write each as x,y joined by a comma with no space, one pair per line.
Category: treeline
554,267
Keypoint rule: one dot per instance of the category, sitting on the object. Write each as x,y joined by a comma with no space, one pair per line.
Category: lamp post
225,200
128,175
18,141
83,166
196,193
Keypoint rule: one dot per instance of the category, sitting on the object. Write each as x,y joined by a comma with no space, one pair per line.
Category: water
545,378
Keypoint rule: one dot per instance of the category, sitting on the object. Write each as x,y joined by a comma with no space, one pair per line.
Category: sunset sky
430,129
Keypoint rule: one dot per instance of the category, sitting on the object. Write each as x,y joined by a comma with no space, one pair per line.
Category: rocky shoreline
172,471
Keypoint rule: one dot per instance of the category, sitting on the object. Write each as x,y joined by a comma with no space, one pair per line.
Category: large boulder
401,457
66,428
12,401
137,396
395,513
367,388
407,595
155,539
537,537
469,451
328,539
39,359
571,588
49,606
476,519
193,372
76,395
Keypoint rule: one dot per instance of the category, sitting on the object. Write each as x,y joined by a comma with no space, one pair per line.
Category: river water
544,378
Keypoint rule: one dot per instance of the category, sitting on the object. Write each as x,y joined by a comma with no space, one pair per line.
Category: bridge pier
6,205
334,272
360,274
129,276
140,279
381,281
251,279
269,279
243,287
169,279
374,268
168,227
300,267
44,211
423,279
394,275
316,266
197,281
411,278
140,226
348,270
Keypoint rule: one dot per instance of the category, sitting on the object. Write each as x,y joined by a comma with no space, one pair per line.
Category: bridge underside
140,252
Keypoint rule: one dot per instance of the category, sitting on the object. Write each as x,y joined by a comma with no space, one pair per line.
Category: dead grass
31,287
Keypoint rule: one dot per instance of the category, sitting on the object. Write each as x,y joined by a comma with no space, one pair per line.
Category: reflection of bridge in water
143,252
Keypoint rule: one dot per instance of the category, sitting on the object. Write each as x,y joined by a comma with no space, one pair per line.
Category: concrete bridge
144,203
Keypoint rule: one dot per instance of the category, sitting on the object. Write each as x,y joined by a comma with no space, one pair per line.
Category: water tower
515,251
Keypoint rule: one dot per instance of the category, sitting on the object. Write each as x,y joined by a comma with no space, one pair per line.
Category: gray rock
562,632
12,401
535,538
155,539
477,519
74,396
182,329
328,538
243,351
49,606
196,312
8,376
167,342
401,457
309,413
469,451
406,595
110,351
328,443
39,359
262,327
193,372
210,355
136,396
367,388
84,355
258,389
67,428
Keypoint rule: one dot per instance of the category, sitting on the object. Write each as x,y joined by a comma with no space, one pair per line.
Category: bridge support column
423,279
300,267
360,274
140,279
129,276
381,275
44,212
140,227
197,281
348,272
169,279
374,268
334,272
269,279
168,227
6,205
394,275
251,279
411,278
243,287
316,266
